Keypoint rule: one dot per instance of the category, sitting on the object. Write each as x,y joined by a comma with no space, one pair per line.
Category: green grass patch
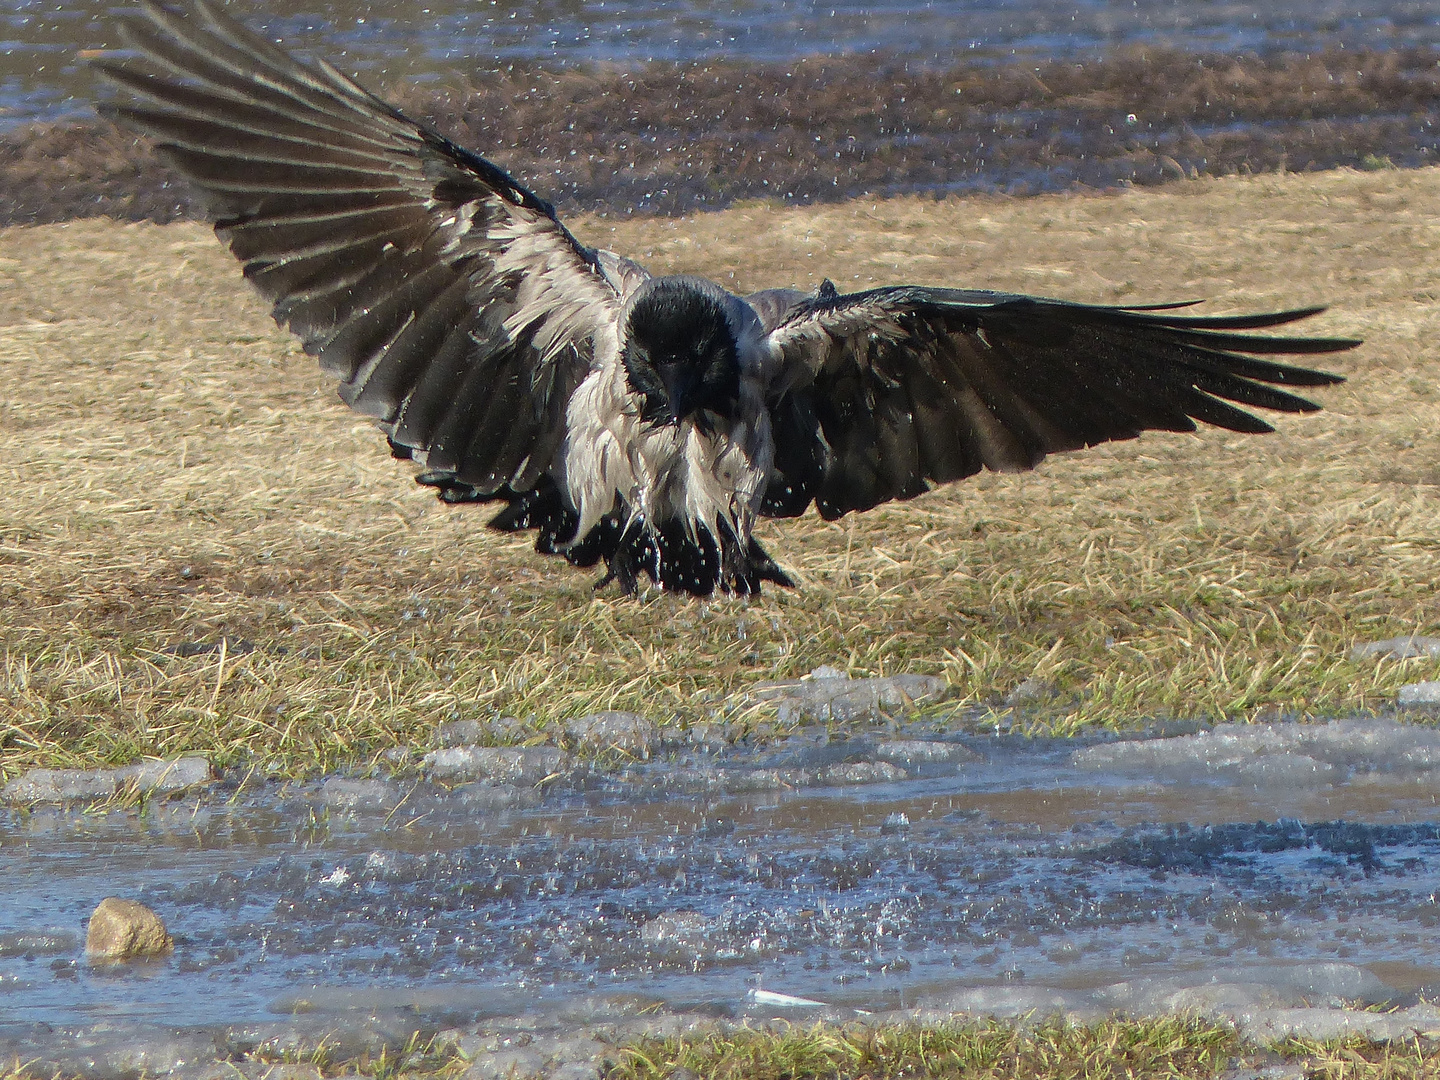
1053,1050
1116,1049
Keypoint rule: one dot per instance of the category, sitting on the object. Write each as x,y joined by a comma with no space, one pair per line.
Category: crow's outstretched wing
449,300
885,393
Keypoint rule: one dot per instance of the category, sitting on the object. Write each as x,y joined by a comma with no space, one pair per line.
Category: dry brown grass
175,471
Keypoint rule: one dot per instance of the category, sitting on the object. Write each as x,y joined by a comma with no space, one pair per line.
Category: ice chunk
912,752
1419,695
1276,752
1397,648
508,764
1032,691
1265,1025
342,792
60,785
37,943
1233,992
860,772
159,777
1005,1001
627,732
81,785
474,732
835,697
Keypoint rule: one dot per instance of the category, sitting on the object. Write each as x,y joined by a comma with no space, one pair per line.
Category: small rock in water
629,733
505,764
1419,695
125,930
1398,648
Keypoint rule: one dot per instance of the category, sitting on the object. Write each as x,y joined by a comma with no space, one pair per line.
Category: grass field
176,473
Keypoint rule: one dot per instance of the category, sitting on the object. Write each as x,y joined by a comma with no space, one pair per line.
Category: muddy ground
672,139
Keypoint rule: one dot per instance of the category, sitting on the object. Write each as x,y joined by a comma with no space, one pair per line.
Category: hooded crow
646,421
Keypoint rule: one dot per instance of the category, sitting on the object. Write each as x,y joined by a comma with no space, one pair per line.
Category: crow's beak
677,381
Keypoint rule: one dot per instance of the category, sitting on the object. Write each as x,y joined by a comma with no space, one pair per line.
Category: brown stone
125,930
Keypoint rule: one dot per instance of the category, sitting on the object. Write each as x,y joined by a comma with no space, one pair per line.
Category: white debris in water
1281,753
783,1001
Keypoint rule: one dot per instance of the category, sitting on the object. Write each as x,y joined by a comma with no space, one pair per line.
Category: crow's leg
620,565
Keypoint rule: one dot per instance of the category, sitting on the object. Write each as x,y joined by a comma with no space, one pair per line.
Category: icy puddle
1238,869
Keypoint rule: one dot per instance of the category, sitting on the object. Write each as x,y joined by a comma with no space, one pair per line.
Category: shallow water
1092,872
41,79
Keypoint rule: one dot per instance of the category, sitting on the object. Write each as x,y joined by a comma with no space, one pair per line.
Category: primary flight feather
646,421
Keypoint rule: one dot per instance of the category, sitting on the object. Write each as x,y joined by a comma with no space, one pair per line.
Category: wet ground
40,78
624,109
1244,868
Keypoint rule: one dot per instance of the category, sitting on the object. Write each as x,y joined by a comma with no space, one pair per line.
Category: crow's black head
680,355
